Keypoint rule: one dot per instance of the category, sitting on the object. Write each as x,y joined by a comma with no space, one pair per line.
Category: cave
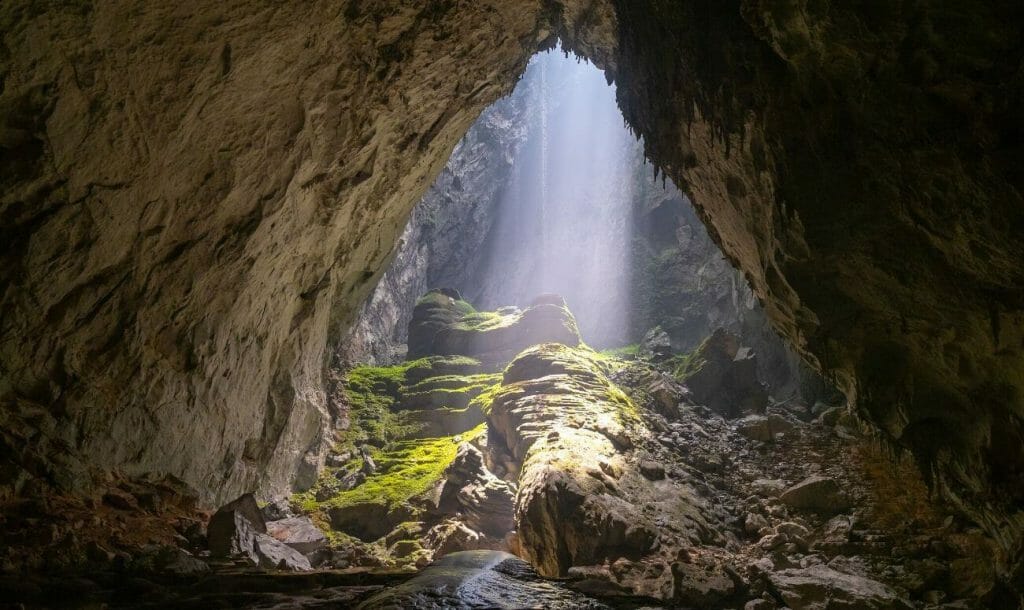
234,235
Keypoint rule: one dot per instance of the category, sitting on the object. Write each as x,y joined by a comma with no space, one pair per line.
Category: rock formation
197,197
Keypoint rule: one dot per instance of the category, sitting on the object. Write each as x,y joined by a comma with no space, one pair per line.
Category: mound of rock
587,496
722,375
238,529
443,324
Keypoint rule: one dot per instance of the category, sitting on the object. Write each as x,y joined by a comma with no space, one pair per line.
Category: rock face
198,199
723,376
445,231
485,501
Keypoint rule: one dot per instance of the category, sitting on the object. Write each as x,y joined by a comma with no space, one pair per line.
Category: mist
565,215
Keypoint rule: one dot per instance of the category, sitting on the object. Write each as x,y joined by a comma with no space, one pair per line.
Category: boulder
238,529
656,344
234,526
299,533
666,395
273,554
434,312
763,428
276,509
723,376
819,587
818,494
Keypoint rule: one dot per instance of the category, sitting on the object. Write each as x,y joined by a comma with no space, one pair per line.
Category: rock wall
196,196
444,234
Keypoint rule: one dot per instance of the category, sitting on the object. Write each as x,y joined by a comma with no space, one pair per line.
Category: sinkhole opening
550,192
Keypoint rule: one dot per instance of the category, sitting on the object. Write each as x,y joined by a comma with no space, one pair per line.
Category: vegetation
625,352
405,470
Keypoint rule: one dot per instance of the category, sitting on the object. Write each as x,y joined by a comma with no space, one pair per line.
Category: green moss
624,352
685,365
404,470
455,383
485,320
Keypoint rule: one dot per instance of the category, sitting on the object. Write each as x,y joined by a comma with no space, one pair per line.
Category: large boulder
234,526
434,312
583,498
237,529
819,587
722,375
300,533
817,493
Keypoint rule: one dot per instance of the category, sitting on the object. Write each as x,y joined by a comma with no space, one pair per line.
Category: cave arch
186,227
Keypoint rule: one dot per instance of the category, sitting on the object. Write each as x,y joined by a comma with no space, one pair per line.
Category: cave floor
890,535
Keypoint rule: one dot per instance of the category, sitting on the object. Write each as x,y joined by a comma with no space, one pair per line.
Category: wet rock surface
480,579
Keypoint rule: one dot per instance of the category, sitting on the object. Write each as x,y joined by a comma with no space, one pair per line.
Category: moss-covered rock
445,325
582,497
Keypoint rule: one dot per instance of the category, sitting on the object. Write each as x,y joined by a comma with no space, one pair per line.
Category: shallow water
480,579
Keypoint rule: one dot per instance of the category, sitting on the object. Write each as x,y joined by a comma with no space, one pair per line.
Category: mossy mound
406,472
444,325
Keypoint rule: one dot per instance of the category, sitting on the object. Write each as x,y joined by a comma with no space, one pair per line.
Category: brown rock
816,493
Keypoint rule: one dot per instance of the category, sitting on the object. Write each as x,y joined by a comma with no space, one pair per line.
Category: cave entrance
549,304
550,192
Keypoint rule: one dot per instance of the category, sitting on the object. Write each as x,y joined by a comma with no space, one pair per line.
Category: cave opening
548,386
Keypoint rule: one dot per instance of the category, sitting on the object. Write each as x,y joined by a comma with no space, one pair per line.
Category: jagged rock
656,344
485,501
234,526
273,554
816,493
723,376
819,587
754,523
763,428
667,395
276,509
300,533
238,529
